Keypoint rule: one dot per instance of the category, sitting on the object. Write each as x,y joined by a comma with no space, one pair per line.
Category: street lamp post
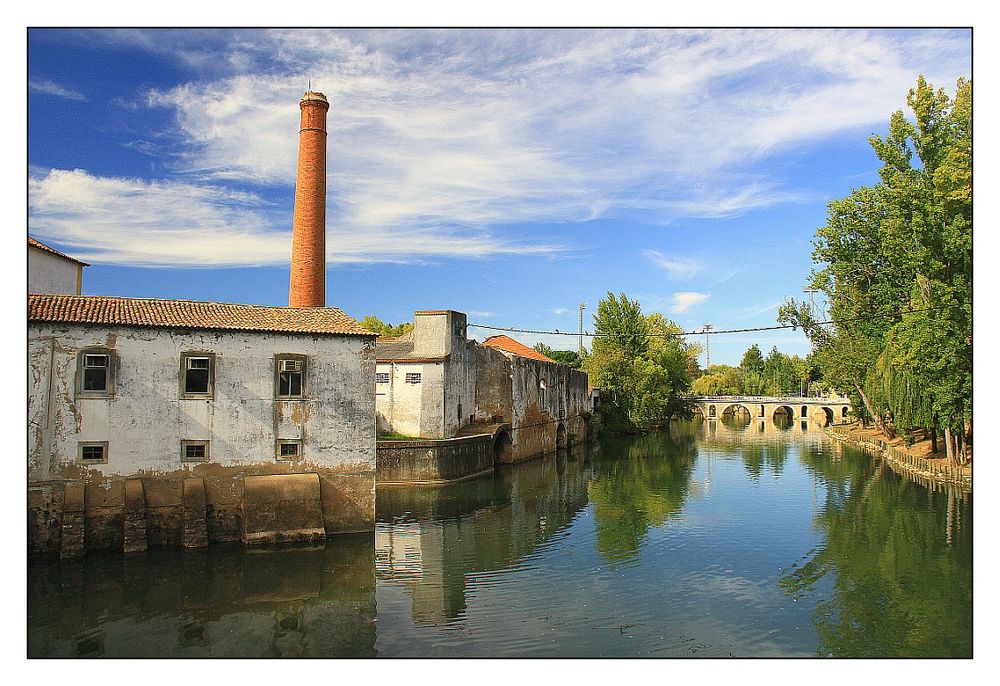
705,329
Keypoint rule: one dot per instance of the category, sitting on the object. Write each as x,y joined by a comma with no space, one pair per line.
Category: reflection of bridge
826,410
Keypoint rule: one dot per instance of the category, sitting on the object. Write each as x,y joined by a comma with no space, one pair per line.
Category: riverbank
917,459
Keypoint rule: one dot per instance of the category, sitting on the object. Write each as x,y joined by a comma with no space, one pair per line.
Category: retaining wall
433,461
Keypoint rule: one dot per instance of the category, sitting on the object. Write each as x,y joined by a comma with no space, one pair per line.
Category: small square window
412,378
195,451
197,375
291,374
382,377
288,449
95,373
93,452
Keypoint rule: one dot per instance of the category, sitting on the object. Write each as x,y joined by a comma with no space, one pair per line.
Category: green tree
641,364
376,325
896,269
570,358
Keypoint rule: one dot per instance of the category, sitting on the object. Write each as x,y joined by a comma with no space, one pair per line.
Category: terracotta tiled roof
190,314
508,344
41,246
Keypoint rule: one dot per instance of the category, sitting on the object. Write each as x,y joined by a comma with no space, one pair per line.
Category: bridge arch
502,446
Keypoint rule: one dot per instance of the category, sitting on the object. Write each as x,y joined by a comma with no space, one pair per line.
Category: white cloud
560,311
677,267
168,223
51,88
481,127
684,301
438,137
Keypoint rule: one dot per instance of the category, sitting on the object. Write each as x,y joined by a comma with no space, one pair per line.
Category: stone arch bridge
826,410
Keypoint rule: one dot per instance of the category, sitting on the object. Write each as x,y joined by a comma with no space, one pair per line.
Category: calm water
716,540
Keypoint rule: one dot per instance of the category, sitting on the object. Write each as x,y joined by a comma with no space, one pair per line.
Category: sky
508,174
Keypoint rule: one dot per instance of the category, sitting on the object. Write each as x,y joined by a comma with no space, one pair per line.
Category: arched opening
561,437
783,417
761,411
698,413
711,411
502,446
805,411
736,416
827,417
843,412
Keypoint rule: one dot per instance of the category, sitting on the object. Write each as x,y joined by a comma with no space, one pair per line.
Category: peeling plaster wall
483,385
145,421
48,273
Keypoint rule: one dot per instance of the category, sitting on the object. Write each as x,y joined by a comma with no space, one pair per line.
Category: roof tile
191,314
508,344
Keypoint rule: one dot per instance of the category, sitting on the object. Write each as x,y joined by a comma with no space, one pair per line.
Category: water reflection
735,536
638,484
432,541
217,601
897,560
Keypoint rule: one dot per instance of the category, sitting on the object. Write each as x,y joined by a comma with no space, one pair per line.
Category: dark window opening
194,451
291,377
95,372
413,378
289,449
92,453
197,375
382,377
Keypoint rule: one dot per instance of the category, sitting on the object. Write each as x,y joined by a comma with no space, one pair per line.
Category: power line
704,332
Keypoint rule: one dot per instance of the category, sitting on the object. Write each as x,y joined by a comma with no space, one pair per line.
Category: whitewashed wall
146,419
411,409
48,273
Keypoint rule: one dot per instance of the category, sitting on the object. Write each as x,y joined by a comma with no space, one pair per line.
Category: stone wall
434,462
234,505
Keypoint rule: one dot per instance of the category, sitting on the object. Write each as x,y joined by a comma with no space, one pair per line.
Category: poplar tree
896,268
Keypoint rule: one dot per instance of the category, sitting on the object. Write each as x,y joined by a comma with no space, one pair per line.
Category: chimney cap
314,95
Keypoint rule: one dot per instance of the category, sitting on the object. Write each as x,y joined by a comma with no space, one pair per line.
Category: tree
376,325
570,358
641,364
897,271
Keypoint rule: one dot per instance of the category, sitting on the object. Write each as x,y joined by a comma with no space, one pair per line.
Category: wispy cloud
437,138
167,223
684,301
560,311
680,268
52,88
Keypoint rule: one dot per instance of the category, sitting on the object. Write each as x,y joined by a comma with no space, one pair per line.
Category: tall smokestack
307,286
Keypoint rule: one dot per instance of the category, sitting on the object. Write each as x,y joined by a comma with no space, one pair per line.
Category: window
412,378
287,449
291,375
382,377
541,391
92,452
95,372
194,451
197,375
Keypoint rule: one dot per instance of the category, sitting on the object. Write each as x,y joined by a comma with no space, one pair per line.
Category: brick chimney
307,285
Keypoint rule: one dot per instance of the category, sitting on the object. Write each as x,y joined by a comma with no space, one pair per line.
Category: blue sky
510,174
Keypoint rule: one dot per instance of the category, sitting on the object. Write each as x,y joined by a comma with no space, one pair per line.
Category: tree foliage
376,325
896,268
641,364
570,358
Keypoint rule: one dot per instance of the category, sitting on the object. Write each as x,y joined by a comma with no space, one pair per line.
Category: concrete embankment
902,459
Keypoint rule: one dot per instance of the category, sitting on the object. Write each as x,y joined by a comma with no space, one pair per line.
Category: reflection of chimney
307,286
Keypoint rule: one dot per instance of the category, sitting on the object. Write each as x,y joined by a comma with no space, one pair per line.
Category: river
712,540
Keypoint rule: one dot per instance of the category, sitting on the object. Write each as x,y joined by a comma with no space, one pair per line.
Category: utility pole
812,305
583,306
705,329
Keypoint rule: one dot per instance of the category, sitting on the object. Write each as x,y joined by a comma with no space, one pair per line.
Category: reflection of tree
638,484
898,588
